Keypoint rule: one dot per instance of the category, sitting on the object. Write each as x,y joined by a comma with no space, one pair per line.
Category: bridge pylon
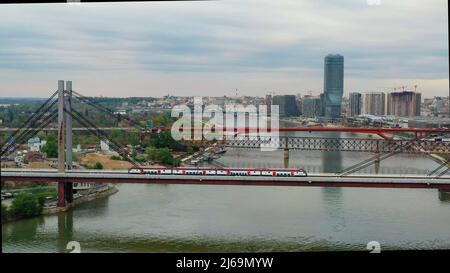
65,194
69,144
61,157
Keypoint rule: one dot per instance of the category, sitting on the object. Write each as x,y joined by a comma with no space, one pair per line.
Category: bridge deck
317,180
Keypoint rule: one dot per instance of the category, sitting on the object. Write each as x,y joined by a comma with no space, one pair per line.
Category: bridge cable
116,148
96,131
113,145
29,133
11,147
35,121
443,165
443,172
29,121
371,161
105,109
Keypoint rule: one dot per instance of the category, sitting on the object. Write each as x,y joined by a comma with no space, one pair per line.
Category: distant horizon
346,95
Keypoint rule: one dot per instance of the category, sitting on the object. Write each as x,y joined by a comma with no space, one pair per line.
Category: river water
196,218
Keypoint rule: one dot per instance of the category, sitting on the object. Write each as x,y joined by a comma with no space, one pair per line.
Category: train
219,171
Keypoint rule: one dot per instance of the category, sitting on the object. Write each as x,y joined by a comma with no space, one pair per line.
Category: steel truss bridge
344,144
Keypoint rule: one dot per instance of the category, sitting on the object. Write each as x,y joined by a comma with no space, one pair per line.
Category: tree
164,139
133,139
10,115
51,147
162,155
4,213
162,119
25,205
98,166
151,153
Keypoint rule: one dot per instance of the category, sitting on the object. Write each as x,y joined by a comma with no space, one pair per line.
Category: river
196,218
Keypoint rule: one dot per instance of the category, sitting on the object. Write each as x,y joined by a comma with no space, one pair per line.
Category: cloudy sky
216,47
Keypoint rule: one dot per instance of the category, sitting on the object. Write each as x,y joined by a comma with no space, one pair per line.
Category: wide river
195,218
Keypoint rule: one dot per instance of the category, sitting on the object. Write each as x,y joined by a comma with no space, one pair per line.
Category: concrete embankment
80,200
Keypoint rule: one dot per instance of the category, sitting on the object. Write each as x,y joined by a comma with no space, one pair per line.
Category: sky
213,48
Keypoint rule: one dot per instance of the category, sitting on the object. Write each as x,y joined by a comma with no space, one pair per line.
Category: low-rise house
35,144
35,156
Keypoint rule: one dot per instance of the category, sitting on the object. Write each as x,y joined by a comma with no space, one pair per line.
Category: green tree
161,155
165,139
115,157
133,139
4,213
151,153
98,166
25,205
10,115
164,156
51,147
162,119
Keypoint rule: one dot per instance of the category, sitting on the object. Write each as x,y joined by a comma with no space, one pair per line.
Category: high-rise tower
355,104
333,85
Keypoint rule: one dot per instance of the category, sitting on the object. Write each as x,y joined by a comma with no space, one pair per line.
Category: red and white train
218,172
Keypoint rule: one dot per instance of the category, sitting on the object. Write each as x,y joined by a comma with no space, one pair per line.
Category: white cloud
257,45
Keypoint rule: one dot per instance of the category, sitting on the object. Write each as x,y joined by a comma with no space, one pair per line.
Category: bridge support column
286,157
61,194
61,154
61,157
444,195
69,145
377,164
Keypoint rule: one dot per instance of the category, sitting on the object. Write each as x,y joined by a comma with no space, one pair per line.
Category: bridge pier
61,194
444,195
377,164
286,157
69,145
65,194
61,155
65,190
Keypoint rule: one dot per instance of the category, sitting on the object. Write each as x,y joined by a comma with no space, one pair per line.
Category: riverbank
78,200
81,200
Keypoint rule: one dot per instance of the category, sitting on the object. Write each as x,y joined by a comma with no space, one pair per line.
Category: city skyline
188,49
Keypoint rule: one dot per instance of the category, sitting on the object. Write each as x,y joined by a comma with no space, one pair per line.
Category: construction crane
389,87
403,87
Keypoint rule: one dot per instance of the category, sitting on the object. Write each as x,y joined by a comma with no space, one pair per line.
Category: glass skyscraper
333,85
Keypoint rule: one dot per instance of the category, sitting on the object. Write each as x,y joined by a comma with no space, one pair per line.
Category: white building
35,144
77,149
104,146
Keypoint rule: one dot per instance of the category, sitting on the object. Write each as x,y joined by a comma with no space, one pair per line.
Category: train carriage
220,172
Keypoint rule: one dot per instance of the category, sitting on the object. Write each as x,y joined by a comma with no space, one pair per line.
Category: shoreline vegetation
32,203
